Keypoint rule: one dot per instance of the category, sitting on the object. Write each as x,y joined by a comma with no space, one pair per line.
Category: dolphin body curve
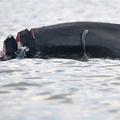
65,40
102,40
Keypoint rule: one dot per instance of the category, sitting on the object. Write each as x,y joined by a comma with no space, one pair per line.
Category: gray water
58,89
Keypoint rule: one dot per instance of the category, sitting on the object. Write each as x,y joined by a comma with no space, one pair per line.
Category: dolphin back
66,39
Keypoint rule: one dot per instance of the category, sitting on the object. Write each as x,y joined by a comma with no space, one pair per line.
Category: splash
85,57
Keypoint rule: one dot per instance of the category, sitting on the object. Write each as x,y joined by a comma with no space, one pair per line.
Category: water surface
58,89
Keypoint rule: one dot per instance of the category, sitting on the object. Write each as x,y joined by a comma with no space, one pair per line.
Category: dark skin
3,51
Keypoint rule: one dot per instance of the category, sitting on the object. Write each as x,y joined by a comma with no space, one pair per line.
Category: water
58,89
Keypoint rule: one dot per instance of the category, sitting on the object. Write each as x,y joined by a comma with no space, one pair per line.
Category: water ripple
57,89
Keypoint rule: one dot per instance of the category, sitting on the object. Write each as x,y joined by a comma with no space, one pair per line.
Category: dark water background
58,89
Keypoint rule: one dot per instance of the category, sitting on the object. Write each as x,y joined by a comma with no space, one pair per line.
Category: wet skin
65,41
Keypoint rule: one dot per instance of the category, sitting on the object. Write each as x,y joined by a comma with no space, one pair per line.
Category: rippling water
58,89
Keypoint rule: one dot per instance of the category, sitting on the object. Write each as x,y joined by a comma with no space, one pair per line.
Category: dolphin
72,40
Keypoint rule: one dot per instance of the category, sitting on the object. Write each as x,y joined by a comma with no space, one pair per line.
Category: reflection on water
60,89
57,89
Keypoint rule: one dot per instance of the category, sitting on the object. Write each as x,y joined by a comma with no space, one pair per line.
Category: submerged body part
67,40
